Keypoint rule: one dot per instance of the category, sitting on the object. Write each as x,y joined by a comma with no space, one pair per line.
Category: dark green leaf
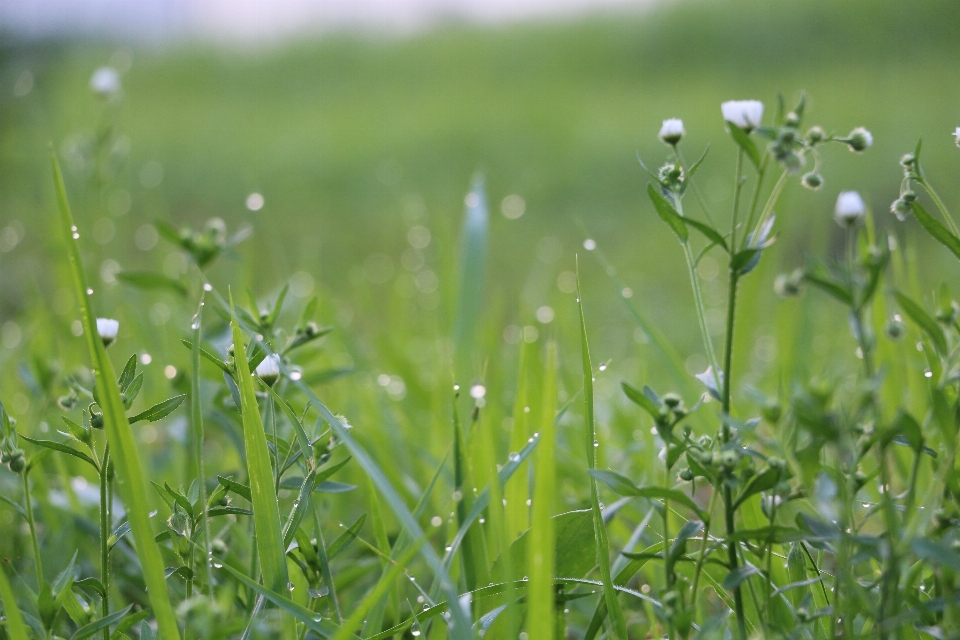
57,446
209,356
927,324
128,373
738,575
744,142
623,486
641,399
345,538
88,630
150,280
159,411
743,258
830,286
667,213
939,232
937,553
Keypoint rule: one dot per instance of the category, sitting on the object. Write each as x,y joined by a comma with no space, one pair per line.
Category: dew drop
290,586
76,236
89,292
317,618
514,456
217,565
596,443
207,286
603,367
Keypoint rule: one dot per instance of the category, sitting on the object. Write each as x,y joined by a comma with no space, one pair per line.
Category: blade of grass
540,554
472,555
263,493
196,422
16,628
599,529
123,447
517,492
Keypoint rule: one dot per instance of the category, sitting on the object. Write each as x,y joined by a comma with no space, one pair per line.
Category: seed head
850,209
672,131
745,114
107,329
859,139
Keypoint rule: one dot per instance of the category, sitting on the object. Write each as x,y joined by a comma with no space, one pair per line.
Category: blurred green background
364,147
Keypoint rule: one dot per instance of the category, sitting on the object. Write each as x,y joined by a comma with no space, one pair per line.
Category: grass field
364,149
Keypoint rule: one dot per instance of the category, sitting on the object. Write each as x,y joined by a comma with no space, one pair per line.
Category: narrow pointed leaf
160,410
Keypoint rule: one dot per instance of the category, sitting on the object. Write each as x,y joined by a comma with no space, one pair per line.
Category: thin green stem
38,564
703,550
755,199
737,188
771,200
696,191
104,537
698,302
196,420
943,209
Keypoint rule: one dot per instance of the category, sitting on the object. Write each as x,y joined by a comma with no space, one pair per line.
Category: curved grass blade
263,493
123,447
599,529
541,550
324,628
88,630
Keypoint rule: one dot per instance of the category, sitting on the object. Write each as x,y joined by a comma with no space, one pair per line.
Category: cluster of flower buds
672,177
903,205
203,246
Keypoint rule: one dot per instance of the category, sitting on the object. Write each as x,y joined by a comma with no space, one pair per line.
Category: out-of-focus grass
355,141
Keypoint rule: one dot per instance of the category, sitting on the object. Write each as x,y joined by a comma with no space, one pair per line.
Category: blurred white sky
259,20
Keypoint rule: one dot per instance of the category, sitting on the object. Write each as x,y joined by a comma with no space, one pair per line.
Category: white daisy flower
850,208
746,114
672,131
107,329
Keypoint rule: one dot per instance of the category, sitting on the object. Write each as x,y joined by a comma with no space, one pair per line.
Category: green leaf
266,508
687,531
642,400
711,234
88,630
57,446
541,549
15,626
927,324
302,439
209,356
736,577
128,373
575,554
743,258
667,213
743,140
939,232
241,490
830,286
344,539
601,548
324,628
623,486
936,552
151,280
159,411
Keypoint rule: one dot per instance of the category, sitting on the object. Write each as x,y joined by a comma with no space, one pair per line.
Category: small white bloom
105,81
850,208
107,329
672,131
269,369
746,114
712,381
956,136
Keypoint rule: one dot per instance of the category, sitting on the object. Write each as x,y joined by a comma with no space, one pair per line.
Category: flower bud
771,411
815,134
269,369
705,441
908,160
812,181
909,196
900,208
686,475
672,131
96,418
672,400
859,139
788,285
17,462
107,328
850,209
791,119
745,114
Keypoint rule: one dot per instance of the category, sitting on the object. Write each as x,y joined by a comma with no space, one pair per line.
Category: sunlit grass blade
473,555
263,493
123,447
517,492
196,425
15,626
540,553
599,528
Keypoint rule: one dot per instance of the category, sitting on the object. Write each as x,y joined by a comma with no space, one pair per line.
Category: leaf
711,234
668,213
159,411
738,575
927,324
575,554
57,446
88,630
742,259
15,626
302,439
830,286
128,373
936,552
939,232
623,486
266,508
601,548
241,490
209,356
743,140
151,280
324,628
687,531
344,539
642,400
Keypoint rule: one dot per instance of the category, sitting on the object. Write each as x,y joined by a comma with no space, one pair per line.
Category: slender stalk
696,191
703,550
667,564
38,564
698,297
104,536
943,209
196,421
772,200
325,567
737,188
755,199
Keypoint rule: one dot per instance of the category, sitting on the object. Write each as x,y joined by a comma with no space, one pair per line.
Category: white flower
672,131
850,208
956,136
712,381
269,369
107,329
105,81
746,114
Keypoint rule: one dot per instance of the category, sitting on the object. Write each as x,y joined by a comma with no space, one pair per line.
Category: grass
361,493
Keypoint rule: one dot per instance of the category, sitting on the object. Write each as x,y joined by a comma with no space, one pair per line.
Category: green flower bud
909,196
771,411
908,160
900,208
859,140
812,181
672,400
815,135
17,462
686,475
791,119
96,418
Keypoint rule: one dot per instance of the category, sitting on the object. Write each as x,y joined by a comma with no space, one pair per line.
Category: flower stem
943,209
38,564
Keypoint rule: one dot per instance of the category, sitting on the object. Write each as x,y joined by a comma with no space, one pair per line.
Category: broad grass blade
599,529
540,553
16,628
123,447
263,493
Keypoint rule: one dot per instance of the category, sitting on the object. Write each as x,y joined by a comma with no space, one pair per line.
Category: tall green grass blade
599,528
15,626
472,556
123,447
263,493
540,553
196,425
517,492
374,617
